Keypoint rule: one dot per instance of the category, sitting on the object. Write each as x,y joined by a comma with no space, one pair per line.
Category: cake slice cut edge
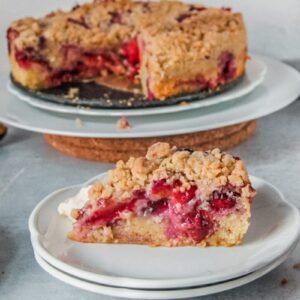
170,197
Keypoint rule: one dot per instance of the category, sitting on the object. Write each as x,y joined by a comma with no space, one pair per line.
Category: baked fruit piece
168,47
171,197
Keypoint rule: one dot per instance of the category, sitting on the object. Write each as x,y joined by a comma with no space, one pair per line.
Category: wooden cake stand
112,150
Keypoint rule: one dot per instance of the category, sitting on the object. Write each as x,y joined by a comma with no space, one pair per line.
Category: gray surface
29,170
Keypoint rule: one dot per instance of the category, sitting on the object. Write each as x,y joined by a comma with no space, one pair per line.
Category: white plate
267,239
160,294
280,88
255,73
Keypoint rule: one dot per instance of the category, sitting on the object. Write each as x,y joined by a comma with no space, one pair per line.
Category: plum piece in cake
168,47
170,197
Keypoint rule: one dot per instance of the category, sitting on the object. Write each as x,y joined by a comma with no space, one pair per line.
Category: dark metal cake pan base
94,95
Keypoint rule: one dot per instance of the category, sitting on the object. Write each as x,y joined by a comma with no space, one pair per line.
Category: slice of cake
168,47
200,49
171,197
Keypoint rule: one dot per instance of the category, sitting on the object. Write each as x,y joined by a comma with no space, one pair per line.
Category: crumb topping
73,94
210,169
186,29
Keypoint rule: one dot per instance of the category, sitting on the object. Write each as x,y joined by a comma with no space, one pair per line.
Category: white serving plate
160,294
255,73
280,88
267,239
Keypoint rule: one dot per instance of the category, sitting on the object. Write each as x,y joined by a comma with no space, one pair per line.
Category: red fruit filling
130,52
107,212
28,57
161,189
155,207
224,199
221,201
183,197
79,64
180,210
227,67
196,225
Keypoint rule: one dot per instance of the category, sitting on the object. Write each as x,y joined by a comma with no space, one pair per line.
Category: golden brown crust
212,168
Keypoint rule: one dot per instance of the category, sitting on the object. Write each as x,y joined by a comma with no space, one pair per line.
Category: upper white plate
255,73
280,88
159,294
138,266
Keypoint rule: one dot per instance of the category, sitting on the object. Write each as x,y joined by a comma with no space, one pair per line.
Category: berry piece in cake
170,197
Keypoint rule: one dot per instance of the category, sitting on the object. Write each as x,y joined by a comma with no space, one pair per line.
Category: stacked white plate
269,85
143,272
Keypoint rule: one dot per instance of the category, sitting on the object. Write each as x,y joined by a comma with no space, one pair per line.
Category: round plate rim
161,294
174,108
143,283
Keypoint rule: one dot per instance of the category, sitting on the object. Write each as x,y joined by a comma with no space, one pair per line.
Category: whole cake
170,197
167,47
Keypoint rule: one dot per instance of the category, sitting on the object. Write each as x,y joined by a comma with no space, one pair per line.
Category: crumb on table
283,282
296,266
123,123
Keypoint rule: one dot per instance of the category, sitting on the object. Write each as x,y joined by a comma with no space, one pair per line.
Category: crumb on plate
78,123
123,123
73,94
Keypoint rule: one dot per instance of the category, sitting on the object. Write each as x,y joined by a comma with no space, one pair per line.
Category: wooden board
112,150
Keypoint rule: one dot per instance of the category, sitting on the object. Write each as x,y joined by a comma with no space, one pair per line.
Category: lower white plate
161,294
280,87
255,73
274,228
